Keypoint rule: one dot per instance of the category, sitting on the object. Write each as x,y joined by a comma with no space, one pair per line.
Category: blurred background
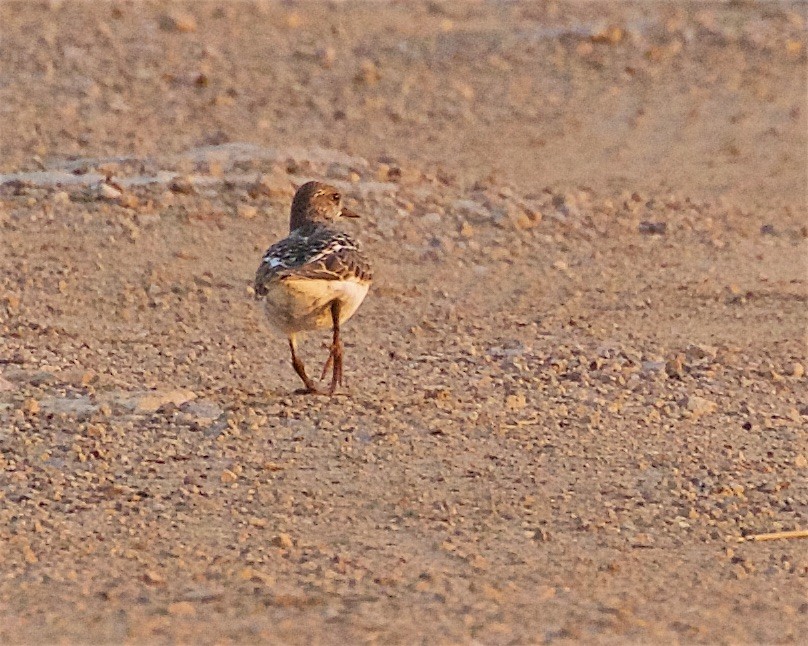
700,96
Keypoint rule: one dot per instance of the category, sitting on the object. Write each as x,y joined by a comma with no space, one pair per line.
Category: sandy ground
576,388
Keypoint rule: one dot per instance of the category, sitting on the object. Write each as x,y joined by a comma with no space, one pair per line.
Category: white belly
297,305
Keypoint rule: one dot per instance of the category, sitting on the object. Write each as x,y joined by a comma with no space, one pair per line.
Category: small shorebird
315,278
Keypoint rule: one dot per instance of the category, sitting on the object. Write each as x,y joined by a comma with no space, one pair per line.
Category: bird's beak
347,213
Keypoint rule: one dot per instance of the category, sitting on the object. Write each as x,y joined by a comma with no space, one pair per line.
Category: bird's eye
335,197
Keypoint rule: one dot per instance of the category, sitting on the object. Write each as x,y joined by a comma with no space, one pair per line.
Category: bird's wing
321,254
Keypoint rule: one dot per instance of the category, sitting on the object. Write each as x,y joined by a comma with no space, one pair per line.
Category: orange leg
300,368
335,354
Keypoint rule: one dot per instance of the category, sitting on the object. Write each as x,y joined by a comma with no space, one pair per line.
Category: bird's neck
307,227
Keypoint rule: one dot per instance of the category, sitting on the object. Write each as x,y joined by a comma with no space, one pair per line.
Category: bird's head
317,202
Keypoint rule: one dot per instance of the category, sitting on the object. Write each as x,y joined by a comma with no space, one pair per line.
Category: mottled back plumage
313,251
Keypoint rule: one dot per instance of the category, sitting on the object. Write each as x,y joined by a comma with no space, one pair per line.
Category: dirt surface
575,390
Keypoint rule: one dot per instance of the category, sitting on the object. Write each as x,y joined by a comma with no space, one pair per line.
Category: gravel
575,389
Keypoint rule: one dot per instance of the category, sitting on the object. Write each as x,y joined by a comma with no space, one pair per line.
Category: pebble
541,535
653,228
153,578
182,23
699,405
61,197
78,376
181,609
327,57
108,192
31,406
675,367
246,211
643,539
228,477
183,185
700,352
610,35
515,402
368,73
282,540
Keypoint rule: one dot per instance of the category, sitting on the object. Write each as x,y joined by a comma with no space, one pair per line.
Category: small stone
30,406
12,303
478,562
153,578
560,265
228,477
283,540
794,46
541,535
89,377
29,555
522,221
246,211
642,539
327,56
182,23
251,574
182,185
129,201
151,402
675,367
797,370
108,192
181,609
78,376
257,522
801,462
293,20
610,35
700,352
545,592
698,406
6,385
515,402
653,228
61,197
203,594
368,73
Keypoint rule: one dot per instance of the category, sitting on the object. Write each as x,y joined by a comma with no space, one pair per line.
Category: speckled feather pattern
315,252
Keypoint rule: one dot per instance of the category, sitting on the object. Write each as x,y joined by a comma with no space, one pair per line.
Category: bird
315,278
